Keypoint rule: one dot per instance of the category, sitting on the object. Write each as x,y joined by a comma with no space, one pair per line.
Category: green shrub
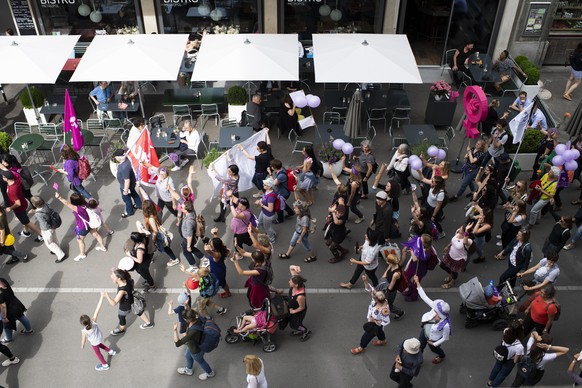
420,149
533,75
519,59
211,156
37,96
237,95
5,141
530,142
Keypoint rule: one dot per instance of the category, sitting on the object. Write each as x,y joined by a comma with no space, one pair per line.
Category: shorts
202,303
82,232
22,217
576,73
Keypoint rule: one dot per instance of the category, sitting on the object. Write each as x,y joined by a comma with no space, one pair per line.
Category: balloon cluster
340,145
309,100
566,157
435,152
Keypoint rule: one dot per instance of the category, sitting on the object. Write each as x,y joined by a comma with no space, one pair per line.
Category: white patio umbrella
34,59
365,58
141,57
240,57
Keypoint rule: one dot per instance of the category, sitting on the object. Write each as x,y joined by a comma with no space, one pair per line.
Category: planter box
526,161
439,113
531,90
235,111
30,116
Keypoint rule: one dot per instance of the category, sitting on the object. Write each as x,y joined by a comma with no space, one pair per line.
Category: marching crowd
285,193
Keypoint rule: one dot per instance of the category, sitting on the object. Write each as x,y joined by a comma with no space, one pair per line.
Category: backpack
291,180
526,367
500,353
27,180
94,219
279,307
84,168
402,283
55,220
210,335
277,207
211,288
558,306
445,199
139,303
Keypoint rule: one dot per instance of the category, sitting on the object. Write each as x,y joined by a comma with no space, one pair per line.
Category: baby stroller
478,308
276,310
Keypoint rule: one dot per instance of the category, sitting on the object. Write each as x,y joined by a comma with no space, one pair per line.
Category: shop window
306,17
216,16
88,17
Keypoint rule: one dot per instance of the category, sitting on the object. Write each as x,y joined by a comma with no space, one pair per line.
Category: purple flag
415,245
71,125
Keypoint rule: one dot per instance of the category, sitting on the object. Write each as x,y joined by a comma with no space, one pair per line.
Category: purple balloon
442,154
300,102
432,151
413,157
338,144
568,155
348,148
560,148
558,160
572,165
313,101
416,164
576,153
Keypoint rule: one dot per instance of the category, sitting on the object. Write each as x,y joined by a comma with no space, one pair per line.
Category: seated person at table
461,61
504,65
254,109
135,131
128,90
538,120
189,142
521,102
102,94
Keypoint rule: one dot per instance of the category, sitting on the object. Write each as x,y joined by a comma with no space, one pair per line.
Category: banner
143,150
71,124
519,123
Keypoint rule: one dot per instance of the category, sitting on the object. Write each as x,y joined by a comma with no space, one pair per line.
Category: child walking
95,208
92,332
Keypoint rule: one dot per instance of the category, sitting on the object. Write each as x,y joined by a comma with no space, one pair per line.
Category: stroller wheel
231,338
499,324
469,324
462,308
269,347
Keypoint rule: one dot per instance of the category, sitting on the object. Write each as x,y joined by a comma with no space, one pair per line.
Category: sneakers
205,376
398,317
25,258
9,362
499,244
305,336
24,234
568,247
149,288
184,162
112,352
498,237
38,239
176,168
13,260
80,257
174,262
185,371
192,269
117,331
6,340
101,367
257,195
221,311
144,326
204,262
26,331
101,249
111,233
359,220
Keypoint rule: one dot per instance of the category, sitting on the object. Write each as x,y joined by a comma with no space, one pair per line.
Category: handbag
166,235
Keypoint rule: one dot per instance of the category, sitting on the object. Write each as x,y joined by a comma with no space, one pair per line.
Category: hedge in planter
237,95
5,141
530,142
37,97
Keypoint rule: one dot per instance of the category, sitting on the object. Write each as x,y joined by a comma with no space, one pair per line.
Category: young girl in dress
92,332
94,206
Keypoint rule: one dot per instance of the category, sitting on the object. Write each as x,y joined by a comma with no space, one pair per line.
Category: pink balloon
558,160
442,154
576,153
348,149
560,148
301,102
313,101
338,144
572,165
416,164
432,151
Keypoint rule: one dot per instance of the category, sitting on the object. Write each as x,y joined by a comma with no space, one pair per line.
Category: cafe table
231,136
419,133
482,71
194,96
166,139
330,132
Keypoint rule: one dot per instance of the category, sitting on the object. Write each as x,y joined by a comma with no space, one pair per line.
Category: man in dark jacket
382,218
407,364
126,179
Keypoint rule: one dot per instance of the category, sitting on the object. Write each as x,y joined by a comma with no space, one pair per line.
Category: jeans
190,255
577,235
127,200
468,180
367,337
424,341
79,189
479,243
535,212
258,178
266,223
168,205
304,241
160,245
25,322
5,350
199,358
509,274
500,371
370,272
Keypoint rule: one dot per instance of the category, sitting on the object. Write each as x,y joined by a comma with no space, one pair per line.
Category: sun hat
412,346
382,195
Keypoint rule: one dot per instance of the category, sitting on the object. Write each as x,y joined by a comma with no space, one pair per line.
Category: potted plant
329,155
532,84
440,89
27,105
5,141
237,102
528,149
211,156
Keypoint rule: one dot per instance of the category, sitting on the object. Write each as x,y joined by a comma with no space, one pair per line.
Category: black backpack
526,367
500,353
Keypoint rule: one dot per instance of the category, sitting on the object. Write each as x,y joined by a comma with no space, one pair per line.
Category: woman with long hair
219,252
257,274
514,205
512,336
255,370
434,202
301,233
297,303
456,255
192,340
136,248
354,193
288,117
230,185
390,281
417,266
124,298
152,227
71,170
79,207
10,161
241,220
480,227
519,251
368,260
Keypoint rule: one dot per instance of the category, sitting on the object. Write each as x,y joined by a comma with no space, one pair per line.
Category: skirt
454,265
576,73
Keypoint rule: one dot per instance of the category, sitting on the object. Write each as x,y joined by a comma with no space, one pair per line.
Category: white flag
519,123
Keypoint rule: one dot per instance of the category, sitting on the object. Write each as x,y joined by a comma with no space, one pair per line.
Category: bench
516,81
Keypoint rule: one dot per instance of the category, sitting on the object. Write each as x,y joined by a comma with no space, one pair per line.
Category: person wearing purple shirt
71,170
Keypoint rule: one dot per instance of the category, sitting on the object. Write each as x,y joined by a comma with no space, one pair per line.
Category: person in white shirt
189,142
368,261
255,369
135,131
538,120
504,363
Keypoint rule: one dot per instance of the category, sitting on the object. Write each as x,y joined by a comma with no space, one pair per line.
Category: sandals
357,350
437,360
448,279
284,256
310,259
346,285
448,285
379,343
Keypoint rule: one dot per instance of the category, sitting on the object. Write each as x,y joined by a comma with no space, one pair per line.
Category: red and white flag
143,150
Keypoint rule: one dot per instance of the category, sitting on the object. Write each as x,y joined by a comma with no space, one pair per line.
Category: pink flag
143,150
71,124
